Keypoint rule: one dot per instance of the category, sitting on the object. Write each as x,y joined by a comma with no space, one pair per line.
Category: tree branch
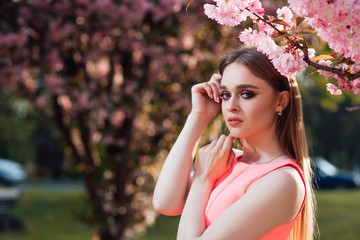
58,117
306,58
85,138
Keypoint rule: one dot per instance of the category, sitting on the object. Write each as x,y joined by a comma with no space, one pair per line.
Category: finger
216,90
220,142
208,89
214,142
216,77
228,144
231,158
215,80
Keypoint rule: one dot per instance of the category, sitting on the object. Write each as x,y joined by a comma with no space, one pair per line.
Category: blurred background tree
114,77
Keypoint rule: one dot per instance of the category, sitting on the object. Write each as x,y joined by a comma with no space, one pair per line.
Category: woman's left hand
214,159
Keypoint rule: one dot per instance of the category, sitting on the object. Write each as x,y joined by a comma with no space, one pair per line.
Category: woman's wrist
203,180
200,117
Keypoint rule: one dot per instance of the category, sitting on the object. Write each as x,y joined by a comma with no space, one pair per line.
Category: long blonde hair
290,129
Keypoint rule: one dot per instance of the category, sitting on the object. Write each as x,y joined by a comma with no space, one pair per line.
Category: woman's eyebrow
241,86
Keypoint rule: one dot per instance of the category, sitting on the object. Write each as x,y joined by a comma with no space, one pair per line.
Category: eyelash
244,94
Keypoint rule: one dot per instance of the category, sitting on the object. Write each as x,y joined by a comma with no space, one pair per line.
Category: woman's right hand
214,159
206,97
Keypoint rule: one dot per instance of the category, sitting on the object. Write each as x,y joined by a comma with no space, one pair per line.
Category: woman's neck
261,149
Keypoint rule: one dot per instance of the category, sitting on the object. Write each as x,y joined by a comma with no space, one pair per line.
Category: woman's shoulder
286,175
287,188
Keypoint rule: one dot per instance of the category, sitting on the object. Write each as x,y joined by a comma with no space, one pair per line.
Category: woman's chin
236,133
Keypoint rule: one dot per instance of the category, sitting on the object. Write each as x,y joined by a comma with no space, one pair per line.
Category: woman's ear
283,101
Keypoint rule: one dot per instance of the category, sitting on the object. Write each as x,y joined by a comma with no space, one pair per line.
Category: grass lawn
339,214
50,215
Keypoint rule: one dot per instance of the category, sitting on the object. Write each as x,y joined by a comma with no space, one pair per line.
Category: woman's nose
232,106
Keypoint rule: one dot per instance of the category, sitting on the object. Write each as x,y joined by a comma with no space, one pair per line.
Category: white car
11,173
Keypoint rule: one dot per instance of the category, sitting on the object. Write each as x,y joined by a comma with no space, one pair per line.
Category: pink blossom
13,39
263,27
285,14
255,7
337,22
101,115
311,53
326,74
82,101
118,118
59,32
268,46
305,7
288,64
333,89
65,102
356,86
228,12
54,84
343,83
110,140
251,37
107,207
40,102
54,60
242,4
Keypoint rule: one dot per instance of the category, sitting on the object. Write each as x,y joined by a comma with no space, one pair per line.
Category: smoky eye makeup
225,95
247,94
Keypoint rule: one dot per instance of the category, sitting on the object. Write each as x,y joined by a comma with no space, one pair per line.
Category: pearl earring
280,113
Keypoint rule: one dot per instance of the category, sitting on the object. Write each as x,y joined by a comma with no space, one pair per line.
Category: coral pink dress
234,184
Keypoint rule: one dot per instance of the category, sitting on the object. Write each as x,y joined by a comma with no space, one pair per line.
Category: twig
306,58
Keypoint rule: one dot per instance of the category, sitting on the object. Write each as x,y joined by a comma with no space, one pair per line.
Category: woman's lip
234,121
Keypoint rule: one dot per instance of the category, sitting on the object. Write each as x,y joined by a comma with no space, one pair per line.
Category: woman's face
249,104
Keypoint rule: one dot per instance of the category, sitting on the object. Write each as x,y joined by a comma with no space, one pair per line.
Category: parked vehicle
11,173
328,176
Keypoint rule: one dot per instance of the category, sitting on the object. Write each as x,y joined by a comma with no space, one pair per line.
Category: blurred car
11,173
327,176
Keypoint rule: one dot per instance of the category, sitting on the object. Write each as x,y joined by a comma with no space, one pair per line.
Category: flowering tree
284,37
110,74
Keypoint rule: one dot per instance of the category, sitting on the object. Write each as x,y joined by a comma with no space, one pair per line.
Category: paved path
55,186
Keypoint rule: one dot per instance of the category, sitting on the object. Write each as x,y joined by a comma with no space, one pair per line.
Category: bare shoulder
285,190
287,177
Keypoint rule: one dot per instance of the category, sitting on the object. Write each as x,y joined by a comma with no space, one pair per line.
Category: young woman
264,191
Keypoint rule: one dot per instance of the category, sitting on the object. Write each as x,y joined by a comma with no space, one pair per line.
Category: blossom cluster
286,59
336,22
233,12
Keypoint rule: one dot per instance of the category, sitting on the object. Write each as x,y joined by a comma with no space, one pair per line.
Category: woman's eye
247,94
225,95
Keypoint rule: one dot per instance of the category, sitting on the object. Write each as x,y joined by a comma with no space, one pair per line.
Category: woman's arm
173,184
